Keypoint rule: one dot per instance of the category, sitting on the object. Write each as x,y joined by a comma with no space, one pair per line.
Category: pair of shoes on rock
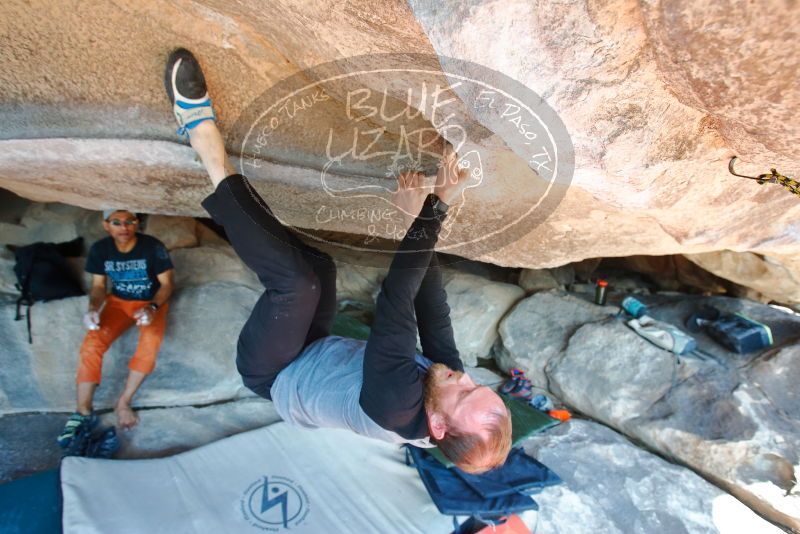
186,88
77,425
80,439
104,444
518,386
74,439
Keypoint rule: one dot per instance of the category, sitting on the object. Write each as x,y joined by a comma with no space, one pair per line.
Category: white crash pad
274,479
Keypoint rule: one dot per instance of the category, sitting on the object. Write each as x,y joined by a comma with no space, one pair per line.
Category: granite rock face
476,308
8,279
775,278
196,362
202,265
656,97
174,232
612,486
533,280
731,417
538,328
53,222
777,378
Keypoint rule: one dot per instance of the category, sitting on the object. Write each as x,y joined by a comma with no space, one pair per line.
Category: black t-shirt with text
133,274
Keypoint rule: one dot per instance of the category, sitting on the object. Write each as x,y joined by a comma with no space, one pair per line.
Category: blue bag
453,496
520,474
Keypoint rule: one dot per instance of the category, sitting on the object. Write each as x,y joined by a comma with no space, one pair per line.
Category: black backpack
44,274
735,332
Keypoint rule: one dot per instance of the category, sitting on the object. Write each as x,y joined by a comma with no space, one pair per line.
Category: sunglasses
126,222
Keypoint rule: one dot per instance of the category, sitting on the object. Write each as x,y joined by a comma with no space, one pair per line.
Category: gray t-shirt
321,388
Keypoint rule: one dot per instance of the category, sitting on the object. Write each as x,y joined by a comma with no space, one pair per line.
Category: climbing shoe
76,424
518,387
103,444
186,88
74,439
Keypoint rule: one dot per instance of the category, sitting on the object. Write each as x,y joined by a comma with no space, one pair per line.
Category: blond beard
435,376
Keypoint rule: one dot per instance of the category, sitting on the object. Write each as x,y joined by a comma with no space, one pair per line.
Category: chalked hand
91,320
450,179
410,195
143,316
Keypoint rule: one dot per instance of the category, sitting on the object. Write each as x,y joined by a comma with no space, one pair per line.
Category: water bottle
600,292
634,307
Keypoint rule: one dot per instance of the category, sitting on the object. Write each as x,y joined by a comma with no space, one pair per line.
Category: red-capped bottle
600,290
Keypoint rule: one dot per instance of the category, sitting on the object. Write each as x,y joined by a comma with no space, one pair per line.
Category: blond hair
473,454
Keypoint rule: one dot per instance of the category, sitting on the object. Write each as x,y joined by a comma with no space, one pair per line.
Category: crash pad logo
342,133
275,503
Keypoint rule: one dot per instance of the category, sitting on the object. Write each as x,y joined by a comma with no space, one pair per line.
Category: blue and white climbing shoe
76,431
186,87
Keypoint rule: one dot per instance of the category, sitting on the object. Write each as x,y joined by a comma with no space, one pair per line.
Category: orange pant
116,317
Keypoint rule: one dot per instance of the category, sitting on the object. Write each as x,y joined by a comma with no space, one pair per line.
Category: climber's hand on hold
410,194
450,180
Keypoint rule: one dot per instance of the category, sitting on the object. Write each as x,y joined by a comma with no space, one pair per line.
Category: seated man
141,274
285,351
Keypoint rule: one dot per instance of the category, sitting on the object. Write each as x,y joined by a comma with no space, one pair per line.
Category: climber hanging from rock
286,353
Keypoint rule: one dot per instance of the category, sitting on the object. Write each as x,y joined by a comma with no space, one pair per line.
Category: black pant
299,303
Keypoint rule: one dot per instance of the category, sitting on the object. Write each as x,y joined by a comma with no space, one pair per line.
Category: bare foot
126,417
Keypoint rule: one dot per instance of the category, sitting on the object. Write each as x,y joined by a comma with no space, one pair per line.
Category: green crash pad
347,326
525,422
31,505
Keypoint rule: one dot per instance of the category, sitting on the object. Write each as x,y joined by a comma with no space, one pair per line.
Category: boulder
13,234
54,223
485,377
730,417
608,112
778,376
202,265
533,280
359,273
671,272
538,329
196,362
8,279
359,283
612,486
174,232
606,387
776,278
585,269
476,308
208,237
645,92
